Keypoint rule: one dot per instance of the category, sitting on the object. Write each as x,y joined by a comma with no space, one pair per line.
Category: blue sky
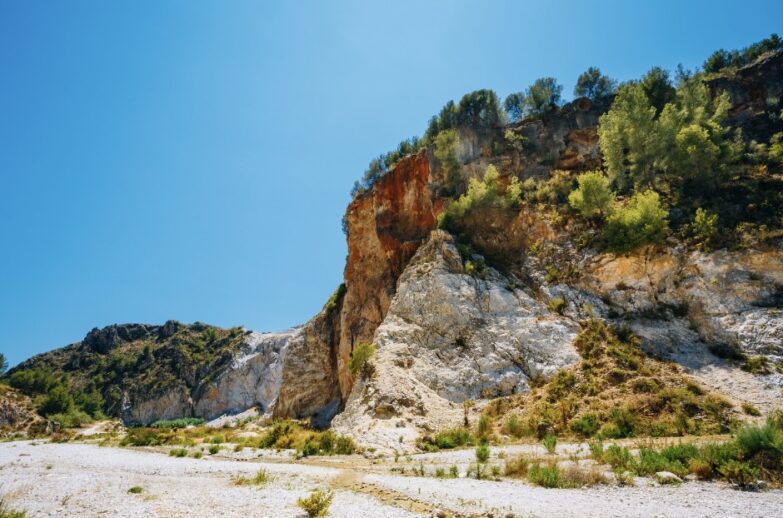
191,160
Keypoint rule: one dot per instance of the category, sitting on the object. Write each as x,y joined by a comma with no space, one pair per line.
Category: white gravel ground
694,499
85,480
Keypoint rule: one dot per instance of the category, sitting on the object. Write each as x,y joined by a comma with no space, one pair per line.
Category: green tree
642,221
446,145
687,143
515,106
593,197
594,85
627,138
32,381
543,95
57,401
3,364
696,147
658,88
480,109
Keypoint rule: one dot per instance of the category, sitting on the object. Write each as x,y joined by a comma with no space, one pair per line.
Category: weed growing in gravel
178,452
259,479
214,449
135,490
317,503
7,512
482,453
550,443
750,409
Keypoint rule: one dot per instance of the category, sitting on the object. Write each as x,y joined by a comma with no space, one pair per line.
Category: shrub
486,192
214,449
756,365
766,439
71,419
360,357
7,512
544,476
704,227
517,466
750,409
624,420
550,443
335,297
58,401
513,426
575,477
651,461
183,422
142,437
596,450
593,197
482,453
178,452
317,503
557,305
483,425
740,473
135,490
344,445
259,479
453,437
32,381
197,454
619,457
643,221
585,425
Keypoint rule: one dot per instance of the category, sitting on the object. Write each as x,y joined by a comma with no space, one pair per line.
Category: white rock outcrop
450,337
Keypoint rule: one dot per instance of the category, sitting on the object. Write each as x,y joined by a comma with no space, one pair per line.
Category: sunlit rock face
449,337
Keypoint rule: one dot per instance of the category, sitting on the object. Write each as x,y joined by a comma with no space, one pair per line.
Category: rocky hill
487,305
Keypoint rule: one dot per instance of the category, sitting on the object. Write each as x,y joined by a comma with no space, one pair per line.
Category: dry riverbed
84,480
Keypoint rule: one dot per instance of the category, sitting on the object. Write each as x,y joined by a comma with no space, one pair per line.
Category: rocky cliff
469,317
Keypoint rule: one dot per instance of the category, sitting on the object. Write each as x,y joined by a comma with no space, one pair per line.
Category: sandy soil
85,480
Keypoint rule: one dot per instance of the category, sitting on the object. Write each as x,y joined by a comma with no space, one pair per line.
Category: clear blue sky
191,160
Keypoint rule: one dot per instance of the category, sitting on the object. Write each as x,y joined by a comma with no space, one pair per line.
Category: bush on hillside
360,358
593,197
446,145
642,221
486,192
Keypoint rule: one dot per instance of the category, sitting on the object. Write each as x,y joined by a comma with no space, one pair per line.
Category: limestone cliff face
287,374
755,91
686,303
449,337
385,227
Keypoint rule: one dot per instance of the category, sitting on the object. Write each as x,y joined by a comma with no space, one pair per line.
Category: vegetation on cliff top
670,159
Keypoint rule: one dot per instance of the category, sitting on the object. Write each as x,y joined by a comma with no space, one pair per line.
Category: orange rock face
386,225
